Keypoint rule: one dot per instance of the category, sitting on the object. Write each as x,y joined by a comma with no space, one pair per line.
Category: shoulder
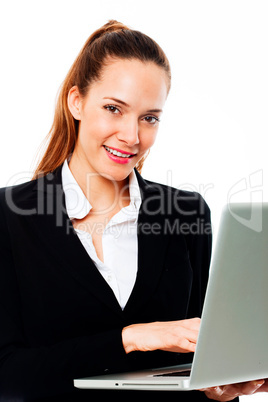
18,196
189,204
31,194
19,189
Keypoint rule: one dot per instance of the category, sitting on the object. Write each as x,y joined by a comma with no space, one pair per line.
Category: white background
212,136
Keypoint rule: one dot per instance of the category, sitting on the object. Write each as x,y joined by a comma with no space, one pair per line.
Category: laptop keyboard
185,373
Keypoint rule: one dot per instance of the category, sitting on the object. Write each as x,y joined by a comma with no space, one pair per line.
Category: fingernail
259,383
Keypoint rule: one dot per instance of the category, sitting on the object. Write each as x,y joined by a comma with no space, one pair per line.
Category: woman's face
119,117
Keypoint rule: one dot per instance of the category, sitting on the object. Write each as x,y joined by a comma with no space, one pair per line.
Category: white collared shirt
119,239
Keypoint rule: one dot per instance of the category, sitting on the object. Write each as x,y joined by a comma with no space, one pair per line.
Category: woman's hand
172,336
230,392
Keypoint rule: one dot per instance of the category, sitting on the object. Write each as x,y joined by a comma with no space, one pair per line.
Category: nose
129,132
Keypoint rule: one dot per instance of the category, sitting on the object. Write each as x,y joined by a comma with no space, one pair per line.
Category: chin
117,174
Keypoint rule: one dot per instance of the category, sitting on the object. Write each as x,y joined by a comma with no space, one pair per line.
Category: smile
117,153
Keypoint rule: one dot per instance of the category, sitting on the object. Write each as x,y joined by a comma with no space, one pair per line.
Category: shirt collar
134,190
78,206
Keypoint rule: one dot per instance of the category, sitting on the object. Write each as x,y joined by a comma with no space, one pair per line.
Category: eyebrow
127,105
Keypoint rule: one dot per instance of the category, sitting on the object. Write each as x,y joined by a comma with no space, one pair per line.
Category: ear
74,102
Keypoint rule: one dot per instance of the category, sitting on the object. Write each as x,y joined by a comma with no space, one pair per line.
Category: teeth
112,151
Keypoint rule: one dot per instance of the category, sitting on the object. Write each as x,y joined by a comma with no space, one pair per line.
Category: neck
102,192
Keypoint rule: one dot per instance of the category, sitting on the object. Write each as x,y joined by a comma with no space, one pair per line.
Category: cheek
147,141
93,131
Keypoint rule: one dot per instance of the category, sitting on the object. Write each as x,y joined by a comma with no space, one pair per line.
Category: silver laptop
232,342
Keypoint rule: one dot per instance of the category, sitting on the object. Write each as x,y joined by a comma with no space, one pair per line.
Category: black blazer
59,318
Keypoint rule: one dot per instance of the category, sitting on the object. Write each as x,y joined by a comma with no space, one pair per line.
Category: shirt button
109,278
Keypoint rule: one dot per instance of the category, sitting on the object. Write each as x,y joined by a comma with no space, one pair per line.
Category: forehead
131,80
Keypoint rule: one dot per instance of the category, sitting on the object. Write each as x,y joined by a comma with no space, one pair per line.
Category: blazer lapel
61,239
152,243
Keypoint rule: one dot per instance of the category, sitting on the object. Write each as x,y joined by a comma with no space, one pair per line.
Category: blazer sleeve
26,372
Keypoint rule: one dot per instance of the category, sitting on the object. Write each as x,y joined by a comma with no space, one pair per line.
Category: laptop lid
231,345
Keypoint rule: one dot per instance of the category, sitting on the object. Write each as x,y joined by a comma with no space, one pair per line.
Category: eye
112,109
152,119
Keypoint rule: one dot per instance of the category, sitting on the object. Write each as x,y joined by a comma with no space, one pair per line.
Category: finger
179,334
179,344
214,393
184,340
190,334
192,323
229,392
246,388
264,387
186,346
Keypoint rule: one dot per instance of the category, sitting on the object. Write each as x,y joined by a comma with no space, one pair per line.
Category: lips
118,152
118,156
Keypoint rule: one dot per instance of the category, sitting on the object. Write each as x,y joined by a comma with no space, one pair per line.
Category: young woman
102,270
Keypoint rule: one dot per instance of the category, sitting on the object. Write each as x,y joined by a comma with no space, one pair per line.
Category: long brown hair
111,40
